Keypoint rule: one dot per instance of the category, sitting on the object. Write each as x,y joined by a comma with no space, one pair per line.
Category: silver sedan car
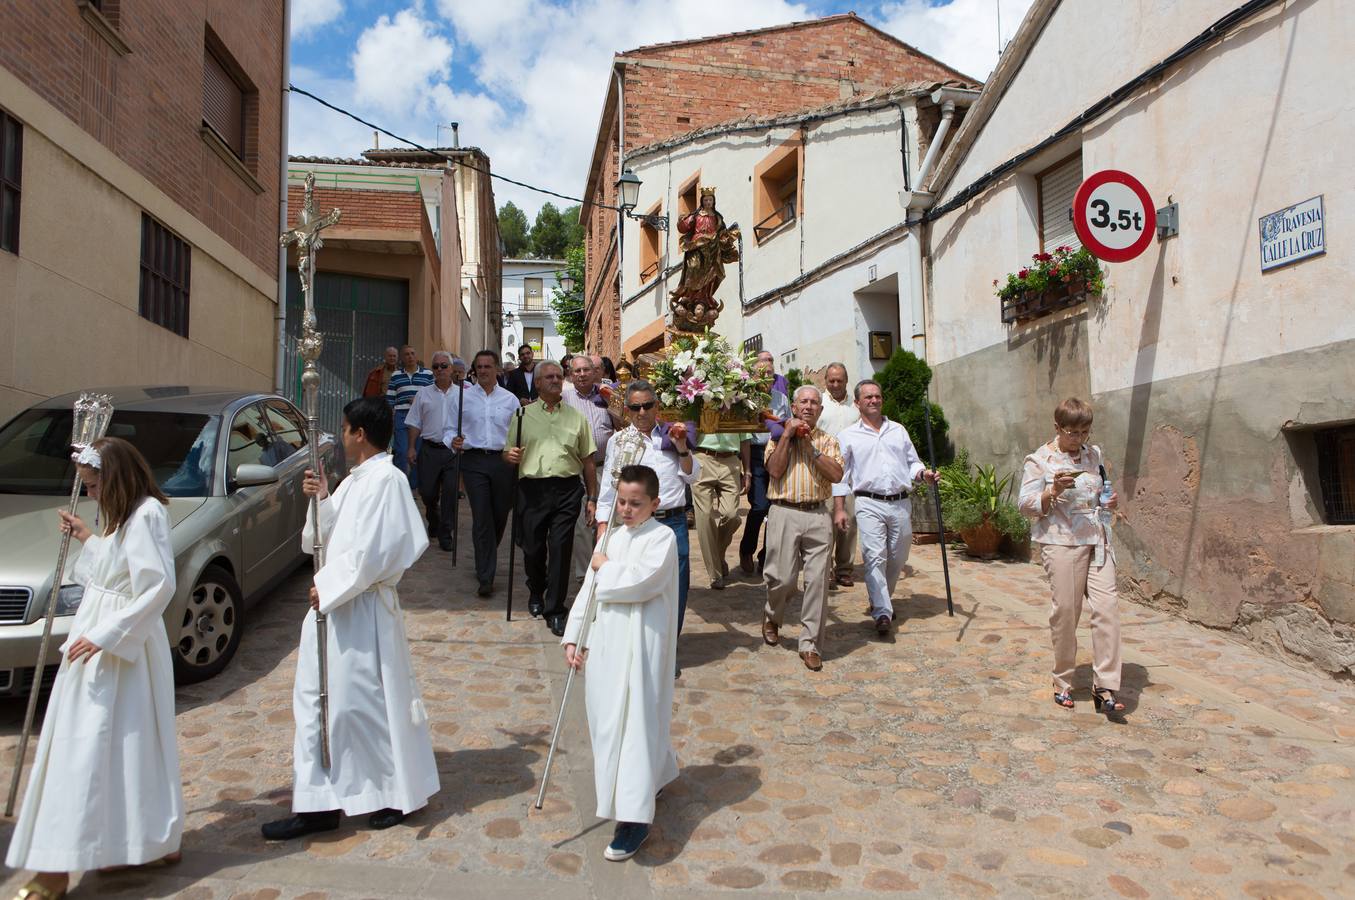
231,463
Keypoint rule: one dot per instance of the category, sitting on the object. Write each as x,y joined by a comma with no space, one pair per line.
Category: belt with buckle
479,450
883,498
808,505
670,513
718,454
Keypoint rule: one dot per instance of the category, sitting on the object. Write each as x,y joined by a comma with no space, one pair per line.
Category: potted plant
702,378
1064,274
978,505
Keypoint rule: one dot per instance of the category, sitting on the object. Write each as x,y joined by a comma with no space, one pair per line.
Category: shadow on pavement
698,793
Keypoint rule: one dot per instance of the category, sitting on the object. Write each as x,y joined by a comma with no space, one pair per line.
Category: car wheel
210,631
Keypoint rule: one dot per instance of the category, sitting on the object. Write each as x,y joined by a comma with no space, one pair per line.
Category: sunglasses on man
442,365
637,407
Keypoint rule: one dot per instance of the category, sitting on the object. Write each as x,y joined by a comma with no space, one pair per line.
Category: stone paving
932,762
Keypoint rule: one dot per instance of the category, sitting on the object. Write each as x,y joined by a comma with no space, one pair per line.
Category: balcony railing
783,216
649,271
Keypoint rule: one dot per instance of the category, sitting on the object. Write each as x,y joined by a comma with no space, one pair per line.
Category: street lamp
566,282
628,189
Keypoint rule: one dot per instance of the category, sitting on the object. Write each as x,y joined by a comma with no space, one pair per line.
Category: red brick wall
362,209
758,74
147,106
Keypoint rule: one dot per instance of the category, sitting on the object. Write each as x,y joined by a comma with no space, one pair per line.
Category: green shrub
904,381
971,496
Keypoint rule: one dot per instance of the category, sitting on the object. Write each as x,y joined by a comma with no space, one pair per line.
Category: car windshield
180,447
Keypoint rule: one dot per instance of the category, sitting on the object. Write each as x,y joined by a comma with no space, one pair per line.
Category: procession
723,531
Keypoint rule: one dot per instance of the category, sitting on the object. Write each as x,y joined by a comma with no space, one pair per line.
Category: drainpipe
916,202
280,317
620,167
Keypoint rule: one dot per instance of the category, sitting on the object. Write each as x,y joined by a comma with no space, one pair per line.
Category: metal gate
360,317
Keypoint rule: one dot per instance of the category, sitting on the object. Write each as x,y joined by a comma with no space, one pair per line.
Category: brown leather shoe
771,632
845,580
813,662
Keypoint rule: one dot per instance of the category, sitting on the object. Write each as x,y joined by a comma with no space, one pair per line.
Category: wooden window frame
526,302
166,276
651,247
689,195
1336,474
11,182
770,200
1039,193
241,157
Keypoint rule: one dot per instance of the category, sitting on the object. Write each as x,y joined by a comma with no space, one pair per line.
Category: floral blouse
1071,520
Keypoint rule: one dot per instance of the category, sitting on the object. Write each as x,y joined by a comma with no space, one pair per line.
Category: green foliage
513,231
568,308
904,381
971,496
794,378
1050,269
554,232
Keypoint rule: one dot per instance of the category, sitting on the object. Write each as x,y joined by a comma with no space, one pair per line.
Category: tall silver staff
306,236
630,449
89,421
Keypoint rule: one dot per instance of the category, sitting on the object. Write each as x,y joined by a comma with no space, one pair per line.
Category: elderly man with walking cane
880,467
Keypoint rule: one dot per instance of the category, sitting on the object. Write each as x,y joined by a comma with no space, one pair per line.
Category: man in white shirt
839,411
433,411
584,394
488,479
669,454
879,468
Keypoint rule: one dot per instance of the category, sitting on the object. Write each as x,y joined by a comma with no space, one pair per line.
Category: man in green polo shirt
556,447
715,498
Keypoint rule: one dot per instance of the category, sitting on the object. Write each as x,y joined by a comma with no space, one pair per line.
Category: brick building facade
134,117
664,90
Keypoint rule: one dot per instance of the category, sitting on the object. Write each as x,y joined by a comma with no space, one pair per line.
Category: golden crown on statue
708,192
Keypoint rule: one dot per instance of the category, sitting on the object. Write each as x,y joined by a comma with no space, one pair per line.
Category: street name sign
1294,233
1113,216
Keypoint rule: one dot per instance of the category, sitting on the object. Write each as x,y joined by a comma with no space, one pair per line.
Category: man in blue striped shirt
404,384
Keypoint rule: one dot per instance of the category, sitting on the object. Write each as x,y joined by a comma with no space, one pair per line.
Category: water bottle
1103,513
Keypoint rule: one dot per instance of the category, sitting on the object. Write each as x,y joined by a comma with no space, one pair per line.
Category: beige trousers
1071,578
715,501
844,543
796,539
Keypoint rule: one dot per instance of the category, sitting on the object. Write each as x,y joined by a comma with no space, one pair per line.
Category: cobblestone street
934,762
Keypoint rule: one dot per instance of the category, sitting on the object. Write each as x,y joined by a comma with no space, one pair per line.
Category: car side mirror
251,474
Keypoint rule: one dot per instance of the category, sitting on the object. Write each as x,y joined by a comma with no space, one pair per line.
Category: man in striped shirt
404,384
804,464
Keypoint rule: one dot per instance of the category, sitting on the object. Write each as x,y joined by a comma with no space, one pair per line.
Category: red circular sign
1113,216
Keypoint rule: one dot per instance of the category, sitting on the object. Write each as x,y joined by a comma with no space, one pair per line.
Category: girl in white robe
381,752
104,790
631,651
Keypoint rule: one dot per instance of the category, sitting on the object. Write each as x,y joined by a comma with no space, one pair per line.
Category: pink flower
691,388
1063,249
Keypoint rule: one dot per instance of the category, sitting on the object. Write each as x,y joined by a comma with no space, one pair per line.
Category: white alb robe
628,678
105,789
381,755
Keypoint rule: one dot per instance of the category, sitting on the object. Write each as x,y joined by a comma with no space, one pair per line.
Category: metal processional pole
306,236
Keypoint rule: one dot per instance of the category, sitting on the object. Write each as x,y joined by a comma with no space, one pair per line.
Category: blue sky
526,78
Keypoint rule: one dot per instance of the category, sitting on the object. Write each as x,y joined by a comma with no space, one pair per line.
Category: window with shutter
1057,185
223,103
165,276
11,171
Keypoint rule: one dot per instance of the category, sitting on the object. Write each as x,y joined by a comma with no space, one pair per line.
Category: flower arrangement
1065,267
703,372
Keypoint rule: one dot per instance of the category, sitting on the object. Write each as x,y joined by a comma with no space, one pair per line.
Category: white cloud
310,15
399,59
961,33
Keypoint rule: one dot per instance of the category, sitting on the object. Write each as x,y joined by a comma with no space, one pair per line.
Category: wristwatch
683,453
591,499
817,453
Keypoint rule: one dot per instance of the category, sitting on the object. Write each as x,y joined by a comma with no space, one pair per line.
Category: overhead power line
417,146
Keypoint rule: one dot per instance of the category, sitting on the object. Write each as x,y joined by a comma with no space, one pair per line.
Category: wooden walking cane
89,421
456,478
513,530
630,449
936,498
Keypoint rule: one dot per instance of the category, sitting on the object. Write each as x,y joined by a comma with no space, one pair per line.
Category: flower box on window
1052,282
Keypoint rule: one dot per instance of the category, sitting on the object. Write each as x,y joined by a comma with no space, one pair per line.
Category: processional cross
306,236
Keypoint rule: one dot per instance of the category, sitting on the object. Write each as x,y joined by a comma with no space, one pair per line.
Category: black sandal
1106,702
1064,699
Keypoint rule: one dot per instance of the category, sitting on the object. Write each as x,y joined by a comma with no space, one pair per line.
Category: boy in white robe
381,755
631,648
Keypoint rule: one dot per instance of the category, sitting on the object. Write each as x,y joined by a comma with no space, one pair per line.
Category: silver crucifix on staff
306,236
